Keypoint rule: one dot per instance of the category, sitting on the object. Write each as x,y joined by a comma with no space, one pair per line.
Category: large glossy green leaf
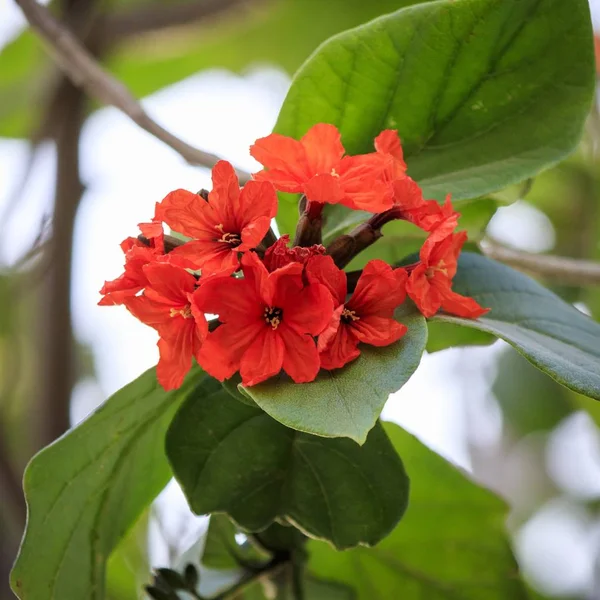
550,333
231,457
86,490
450,545
346,402
484,93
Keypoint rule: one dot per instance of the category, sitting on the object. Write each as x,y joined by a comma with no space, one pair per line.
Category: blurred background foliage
528,438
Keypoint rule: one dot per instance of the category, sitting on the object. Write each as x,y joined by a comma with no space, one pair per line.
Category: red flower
137,255
430,283
279,255
230,222
316,166
366,317
388,143
268,323
167,306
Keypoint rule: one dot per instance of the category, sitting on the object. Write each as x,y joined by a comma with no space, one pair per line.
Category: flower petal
306,310
324,188
168,284
224,199
424,295
284,154
301,359
461,306
379,291
263,358
377,331
342,349
324,149
322,269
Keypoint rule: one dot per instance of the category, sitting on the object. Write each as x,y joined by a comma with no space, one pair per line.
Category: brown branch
85,72
123,25
557,268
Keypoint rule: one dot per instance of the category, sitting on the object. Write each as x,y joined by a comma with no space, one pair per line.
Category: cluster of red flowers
281,307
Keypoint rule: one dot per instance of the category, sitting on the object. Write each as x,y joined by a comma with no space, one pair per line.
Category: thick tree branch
85,72
139,20
557,268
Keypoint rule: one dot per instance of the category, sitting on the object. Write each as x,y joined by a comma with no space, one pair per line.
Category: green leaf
441,336
450,545
230,457
88,488
551,334
346,402
484,93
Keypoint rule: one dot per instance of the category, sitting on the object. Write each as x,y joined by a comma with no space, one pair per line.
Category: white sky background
126,171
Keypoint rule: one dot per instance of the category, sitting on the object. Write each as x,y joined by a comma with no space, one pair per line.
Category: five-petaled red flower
268,321
366,317
230,222
430,283
167,306
316,166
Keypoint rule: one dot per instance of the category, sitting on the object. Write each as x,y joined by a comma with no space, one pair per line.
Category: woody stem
310,224
346,247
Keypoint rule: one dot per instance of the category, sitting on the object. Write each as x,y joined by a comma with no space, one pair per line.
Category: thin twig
558,268
87,73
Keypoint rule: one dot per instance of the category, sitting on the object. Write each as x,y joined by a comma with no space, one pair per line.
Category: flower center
273,316
233,239
349,316
185,312
441,267
334,173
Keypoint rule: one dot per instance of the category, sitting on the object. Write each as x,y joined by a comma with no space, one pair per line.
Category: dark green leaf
230,457
441,336
451,544
346,402
481,92
550,333
86,490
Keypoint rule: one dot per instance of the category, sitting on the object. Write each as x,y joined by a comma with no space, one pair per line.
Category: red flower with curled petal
230,222
316,166
137,255
268,321
167,306
430,283
279,254
367,317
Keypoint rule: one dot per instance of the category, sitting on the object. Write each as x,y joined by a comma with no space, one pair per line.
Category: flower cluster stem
310,224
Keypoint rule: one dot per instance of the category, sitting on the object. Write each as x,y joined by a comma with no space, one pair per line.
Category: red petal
424,295
379,291
327,335
323,146
342,349
253,233
168,284
407,194
174,363
282,180
285,155
324,188
307,310
258,199
154,314
263,358
377,331
388,142
185,212
301,359
224,199
234,300
322,269
223,349
461,306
